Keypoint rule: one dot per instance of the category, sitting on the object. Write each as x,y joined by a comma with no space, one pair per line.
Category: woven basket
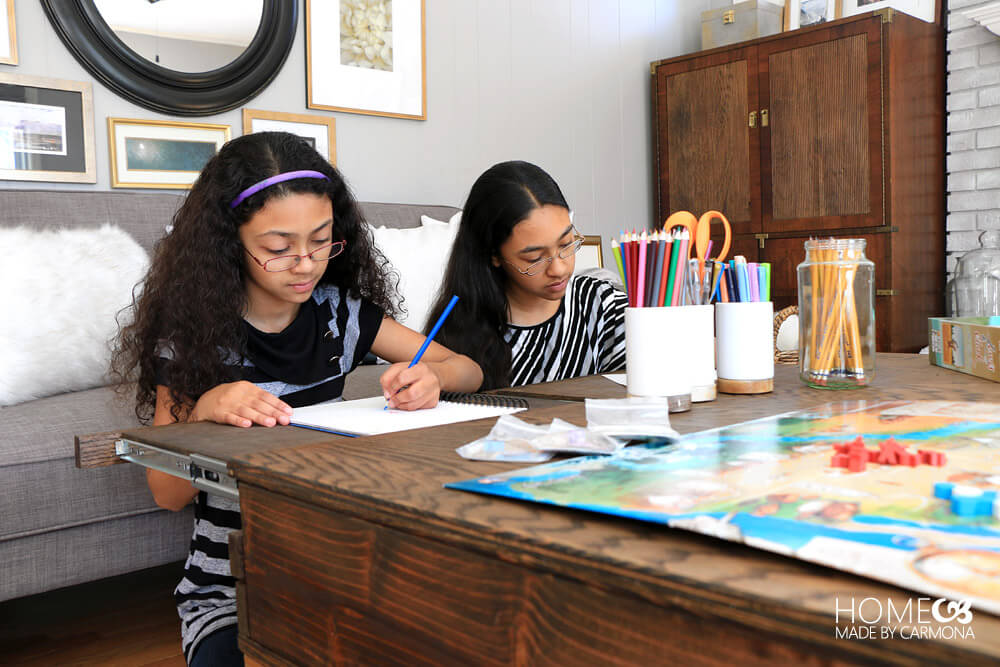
788,356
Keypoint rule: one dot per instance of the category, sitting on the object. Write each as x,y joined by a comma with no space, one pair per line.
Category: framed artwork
46,130
161,153
320,131
589,256
800,13
8,35
366,56
921,9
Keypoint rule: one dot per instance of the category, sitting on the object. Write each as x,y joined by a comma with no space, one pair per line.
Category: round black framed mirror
96,46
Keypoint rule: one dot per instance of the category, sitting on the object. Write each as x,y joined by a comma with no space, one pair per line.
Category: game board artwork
770,484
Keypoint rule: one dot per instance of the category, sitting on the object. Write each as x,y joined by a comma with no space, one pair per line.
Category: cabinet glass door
821,147
707,155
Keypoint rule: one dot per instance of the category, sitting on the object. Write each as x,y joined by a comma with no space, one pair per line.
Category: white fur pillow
420,255
61,292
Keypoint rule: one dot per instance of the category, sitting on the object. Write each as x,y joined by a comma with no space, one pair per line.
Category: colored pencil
682,255
754,281
731,282
654,292
641,276
617,252
767,281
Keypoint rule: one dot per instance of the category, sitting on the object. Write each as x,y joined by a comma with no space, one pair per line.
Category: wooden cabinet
833,130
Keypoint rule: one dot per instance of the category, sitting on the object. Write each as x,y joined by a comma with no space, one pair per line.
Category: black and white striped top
584,337
304,364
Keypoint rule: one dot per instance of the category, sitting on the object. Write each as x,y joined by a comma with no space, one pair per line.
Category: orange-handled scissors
700,230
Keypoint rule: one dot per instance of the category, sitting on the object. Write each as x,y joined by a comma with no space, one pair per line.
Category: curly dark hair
193,297
504,195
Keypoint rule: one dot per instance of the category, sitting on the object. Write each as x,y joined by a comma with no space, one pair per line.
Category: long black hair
503,196
193,298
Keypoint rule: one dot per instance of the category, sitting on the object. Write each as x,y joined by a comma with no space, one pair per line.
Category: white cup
657,356
700,344
745,340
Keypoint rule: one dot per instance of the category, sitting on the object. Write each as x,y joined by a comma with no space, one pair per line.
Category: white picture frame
802,13
387,78
321,131
46,130
8,36
925,10
161,154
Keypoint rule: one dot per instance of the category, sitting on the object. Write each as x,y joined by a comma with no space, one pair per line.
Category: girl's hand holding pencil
410,387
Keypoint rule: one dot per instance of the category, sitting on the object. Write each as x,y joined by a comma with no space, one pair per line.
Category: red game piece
890,452
839,461
909,459
857,462
931,458
873,455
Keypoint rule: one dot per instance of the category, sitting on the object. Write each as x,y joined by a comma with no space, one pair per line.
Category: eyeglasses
564,253
286,262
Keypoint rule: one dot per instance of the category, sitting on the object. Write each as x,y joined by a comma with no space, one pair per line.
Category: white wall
973,130
563,83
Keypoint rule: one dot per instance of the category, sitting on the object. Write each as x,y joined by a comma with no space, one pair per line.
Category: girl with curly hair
264,296
526,317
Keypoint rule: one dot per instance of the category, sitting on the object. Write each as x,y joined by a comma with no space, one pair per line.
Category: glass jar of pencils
836,314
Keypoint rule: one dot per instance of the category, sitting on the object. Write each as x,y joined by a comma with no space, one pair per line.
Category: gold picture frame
46,129
590,252
389,78
161,154
8,36
320,131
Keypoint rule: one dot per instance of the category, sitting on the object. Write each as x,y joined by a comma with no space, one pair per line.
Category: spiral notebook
366,416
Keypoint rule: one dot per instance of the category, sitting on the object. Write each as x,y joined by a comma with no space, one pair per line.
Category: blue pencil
430,337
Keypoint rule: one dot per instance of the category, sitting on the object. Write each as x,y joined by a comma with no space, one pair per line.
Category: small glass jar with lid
974,291
836,314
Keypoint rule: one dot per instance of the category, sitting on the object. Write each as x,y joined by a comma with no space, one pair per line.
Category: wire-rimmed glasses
564,253
286,262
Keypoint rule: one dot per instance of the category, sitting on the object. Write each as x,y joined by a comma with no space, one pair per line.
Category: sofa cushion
420,256
56,331
52,495
43,429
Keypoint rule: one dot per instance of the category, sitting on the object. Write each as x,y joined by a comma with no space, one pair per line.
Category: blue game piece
994,321
943,490
973,506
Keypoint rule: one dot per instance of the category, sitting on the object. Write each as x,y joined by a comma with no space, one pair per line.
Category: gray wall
563,83
973,130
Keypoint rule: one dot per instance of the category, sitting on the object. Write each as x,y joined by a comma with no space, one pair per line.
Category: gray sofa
60,525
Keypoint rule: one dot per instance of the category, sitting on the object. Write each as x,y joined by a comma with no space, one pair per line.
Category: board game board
769,483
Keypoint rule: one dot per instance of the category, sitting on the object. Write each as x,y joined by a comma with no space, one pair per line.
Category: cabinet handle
753,119
763,118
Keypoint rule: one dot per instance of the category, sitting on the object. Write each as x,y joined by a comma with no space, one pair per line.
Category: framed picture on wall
921,9
161,153
801,13
46,130
320,131
366,56
8,35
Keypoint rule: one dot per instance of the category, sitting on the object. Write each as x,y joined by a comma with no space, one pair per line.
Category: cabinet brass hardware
753,119
886,292
760,239
763,118
728,17
885,14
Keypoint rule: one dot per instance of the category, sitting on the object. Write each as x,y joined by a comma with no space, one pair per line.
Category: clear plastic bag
630,417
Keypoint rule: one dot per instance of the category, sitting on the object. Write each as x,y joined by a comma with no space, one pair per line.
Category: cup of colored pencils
836,314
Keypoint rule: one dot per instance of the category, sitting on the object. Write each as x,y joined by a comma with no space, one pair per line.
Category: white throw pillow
62,290
420,255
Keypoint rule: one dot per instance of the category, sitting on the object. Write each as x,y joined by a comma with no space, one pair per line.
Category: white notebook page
366,416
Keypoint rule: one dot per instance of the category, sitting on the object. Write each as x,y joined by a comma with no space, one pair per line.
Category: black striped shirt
584,337
304,364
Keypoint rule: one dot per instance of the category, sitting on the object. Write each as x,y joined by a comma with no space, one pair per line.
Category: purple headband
273,180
